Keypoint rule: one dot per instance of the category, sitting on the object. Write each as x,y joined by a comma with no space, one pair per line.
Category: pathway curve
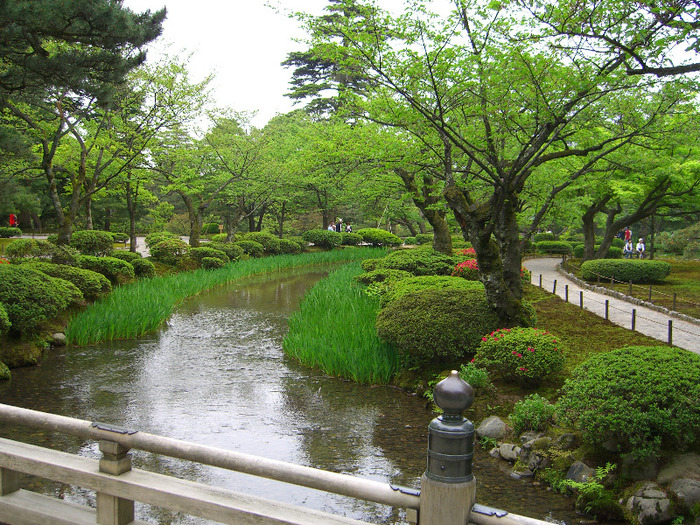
648,322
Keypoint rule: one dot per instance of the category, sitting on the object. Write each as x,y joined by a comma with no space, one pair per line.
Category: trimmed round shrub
30,297
91,284
635,270
170,251
618,243
232,251
414,284
252,248
7,232
351,239
270,243
418,261
126,256
93,242
379,237
157,237
554,247
219,237
5,323
289,246
443,325
205,251
30,249
73,295
120,237
210,227
526,355
64,254
532,413
544,236
643,398
382,275
143,268
116,270
424,238
324,239
304,245
410,241
613,252
212,263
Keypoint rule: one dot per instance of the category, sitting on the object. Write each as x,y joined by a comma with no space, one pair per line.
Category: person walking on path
648,322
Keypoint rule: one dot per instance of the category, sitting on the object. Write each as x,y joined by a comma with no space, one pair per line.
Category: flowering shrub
526,355
467,252
468,269
4,261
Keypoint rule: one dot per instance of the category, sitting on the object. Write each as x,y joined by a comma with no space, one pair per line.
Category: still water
216,375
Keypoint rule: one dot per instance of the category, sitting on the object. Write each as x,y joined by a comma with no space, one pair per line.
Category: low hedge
212,263
143,268
30,249
543,237
324,239
351,239
613,252
289,246
92,284
116,270
93,242
233,251
644,399
418,261
170,250
554,247
635,270
379,237
252,248
413,284
201,252
157,237
270,243
126,256
424,238
7,232
437,326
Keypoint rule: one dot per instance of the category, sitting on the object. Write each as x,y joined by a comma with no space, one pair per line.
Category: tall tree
82,46
501,104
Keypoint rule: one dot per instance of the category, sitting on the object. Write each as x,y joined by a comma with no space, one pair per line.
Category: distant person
640,249
339,225
628,250
348,228
628,234
13,221
331,227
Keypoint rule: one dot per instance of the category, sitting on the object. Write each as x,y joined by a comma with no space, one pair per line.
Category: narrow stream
217,375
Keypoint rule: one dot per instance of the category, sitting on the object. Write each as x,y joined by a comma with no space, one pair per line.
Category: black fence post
634,318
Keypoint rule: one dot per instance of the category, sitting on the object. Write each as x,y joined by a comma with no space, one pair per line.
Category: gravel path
647,321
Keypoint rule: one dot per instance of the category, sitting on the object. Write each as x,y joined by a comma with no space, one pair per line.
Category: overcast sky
241,41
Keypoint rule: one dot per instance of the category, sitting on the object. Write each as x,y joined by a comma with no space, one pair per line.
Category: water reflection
216,375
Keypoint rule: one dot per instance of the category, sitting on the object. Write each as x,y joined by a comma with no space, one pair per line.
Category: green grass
334,331
135,309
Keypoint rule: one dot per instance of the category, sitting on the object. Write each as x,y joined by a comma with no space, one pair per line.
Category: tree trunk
425,201
498,271
88,213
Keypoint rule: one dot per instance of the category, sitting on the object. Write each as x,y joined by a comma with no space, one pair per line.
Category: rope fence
607,306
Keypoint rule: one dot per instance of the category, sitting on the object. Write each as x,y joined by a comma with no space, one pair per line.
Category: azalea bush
468,270
526,355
